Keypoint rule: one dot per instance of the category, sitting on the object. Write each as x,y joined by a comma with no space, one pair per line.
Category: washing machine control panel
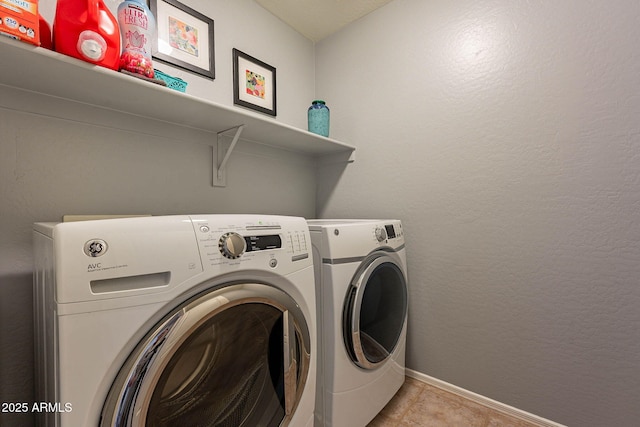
232,245
260,245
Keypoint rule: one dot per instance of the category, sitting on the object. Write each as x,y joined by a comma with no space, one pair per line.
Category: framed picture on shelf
185,37
254,83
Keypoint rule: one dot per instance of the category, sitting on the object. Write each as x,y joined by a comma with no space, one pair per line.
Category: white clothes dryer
205,320
361,284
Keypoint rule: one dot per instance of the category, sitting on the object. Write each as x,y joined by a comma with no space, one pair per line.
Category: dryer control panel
350,238
387,232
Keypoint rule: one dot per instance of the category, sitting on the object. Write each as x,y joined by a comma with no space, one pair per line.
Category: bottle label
136,28
133,15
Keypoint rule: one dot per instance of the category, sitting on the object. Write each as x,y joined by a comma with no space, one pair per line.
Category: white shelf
51,74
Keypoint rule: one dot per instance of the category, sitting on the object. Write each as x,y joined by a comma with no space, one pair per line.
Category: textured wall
50,165
506,136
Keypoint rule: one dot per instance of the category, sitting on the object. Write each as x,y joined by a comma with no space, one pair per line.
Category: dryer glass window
230,372
375,313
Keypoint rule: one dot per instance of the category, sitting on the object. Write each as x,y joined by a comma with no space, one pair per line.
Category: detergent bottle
87,30
137,28
45,33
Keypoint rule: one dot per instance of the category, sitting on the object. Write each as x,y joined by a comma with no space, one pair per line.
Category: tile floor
418,404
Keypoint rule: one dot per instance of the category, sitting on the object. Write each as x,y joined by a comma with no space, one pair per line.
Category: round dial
232,245
381,234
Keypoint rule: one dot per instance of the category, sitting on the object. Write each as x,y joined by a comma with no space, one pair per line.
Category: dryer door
235,356
375,310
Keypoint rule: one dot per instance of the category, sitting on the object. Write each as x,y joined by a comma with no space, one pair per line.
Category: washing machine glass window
227,358
375,311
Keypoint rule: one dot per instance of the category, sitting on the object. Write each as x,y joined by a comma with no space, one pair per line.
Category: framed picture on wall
185,37
254,83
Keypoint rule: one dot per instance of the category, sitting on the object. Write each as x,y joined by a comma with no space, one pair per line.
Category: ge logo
95,248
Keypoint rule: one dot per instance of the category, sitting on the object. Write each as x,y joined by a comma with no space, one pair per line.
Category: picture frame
185,37
254,83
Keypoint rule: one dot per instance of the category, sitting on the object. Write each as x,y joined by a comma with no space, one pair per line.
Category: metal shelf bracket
220,169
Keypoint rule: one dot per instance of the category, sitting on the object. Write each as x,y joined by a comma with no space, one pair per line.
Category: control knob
232,245
381,234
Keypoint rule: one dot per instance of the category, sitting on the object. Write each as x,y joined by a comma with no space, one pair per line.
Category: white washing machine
361,285
205,320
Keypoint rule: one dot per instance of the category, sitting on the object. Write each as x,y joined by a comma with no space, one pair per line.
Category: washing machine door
234,356
375,310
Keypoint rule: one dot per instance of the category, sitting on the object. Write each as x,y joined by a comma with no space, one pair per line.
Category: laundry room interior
503,134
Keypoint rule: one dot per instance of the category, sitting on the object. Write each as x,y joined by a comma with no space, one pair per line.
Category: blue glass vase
318,116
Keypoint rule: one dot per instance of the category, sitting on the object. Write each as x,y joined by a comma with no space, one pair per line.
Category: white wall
51,164
506,137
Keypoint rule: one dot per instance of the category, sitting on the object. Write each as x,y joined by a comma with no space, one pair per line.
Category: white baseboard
482,400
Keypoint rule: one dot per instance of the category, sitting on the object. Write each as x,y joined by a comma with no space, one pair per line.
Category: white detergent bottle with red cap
137,28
